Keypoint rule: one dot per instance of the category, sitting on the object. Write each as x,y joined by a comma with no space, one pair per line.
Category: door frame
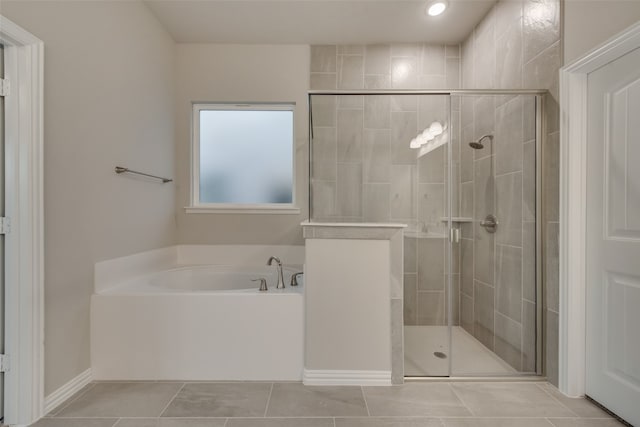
573,206
24,276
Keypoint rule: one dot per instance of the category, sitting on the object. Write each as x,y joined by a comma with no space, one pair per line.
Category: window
243,158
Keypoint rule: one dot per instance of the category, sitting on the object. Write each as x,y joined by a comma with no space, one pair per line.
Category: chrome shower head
478,145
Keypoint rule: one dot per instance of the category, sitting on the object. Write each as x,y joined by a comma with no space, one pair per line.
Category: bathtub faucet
280,284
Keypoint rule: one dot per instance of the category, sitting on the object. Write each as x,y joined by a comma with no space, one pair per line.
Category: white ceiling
316,21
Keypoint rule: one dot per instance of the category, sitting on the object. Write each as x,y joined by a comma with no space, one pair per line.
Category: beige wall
245,73
355,290
108,101
588,23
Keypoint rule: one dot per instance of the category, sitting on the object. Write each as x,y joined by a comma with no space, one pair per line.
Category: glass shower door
428,296
497,269
461,172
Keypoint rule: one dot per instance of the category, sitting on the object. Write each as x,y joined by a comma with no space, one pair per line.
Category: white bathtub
199,322
207,279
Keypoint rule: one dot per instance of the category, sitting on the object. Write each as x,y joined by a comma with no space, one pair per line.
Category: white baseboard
76,384
326,377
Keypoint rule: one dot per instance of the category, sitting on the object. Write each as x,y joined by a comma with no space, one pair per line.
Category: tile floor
263,404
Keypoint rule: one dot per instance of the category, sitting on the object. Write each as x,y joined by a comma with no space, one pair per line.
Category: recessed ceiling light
435,8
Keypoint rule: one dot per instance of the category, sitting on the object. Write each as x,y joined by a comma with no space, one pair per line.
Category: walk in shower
461,169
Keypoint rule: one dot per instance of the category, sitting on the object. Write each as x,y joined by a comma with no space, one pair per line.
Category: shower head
478,145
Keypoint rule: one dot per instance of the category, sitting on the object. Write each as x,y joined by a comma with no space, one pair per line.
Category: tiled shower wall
363,169
517,45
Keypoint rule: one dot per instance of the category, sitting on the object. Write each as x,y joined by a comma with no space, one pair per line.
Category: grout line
365,402
334,421
461,400
508,246
64,406
522,260
500,175
484,283
497,311
172,399
102,417
266,408
317,417
557,400
473,207
539,53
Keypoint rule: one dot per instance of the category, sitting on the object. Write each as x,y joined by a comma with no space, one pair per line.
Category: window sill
269,210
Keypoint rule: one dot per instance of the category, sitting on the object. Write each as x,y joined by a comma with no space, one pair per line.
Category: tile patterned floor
263,404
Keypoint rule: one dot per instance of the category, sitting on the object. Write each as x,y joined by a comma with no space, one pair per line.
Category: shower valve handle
263,283
490,223
294,278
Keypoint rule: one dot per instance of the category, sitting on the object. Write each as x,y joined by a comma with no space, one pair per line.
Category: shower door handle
490,223
454,235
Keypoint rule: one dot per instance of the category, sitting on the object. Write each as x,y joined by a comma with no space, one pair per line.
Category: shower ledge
422,235
350,230
353,224
456,219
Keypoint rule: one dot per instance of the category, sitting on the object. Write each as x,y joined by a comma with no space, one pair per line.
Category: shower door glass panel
365,168
427,282
494,331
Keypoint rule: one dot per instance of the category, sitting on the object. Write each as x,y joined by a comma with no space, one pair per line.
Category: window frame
244,208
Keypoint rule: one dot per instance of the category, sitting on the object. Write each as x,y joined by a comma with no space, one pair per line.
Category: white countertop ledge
354,224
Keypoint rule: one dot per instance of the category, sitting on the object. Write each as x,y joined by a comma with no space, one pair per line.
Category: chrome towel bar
120,169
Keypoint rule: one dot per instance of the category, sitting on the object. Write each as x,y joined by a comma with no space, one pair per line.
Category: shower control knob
490,223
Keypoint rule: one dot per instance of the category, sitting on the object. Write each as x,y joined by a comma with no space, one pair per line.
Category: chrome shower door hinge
454,235
4,87
4,363
5,225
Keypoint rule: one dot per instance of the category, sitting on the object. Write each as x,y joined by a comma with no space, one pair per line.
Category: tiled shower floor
263,404
469,356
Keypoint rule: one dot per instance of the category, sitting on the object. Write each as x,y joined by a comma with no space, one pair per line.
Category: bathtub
205,279
198,322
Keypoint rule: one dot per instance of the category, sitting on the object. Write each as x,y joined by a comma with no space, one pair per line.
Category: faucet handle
263,283
294,278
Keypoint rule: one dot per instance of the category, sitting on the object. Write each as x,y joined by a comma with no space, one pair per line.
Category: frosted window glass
246,157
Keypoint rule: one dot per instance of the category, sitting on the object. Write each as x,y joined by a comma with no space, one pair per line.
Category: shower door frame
540,95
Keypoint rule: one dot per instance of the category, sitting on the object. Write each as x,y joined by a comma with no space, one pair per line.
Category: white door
613,237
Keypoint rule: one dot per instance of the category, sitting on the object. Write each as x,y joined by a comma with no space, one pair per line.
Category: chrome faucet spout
280,284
